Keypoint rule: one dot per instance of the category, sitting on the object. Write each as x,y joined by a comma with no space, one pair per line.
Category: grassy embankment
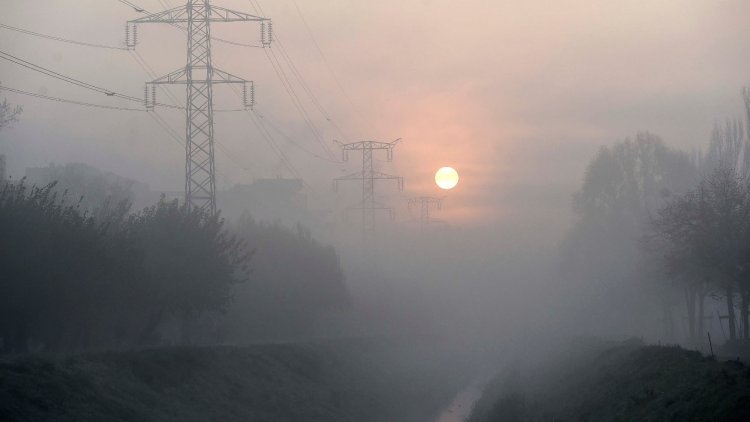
337,381
624,382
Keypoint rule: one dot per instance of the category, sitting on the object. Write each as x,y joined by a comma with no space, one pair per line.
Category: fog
578,130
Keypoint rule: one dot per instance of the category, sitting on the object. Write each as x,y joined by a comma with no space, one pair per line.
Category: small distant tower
368,176
424,204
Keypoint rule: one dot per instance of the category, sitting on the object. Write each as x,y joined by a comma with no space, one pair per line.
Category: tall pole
200,176
198,76
368,176
368,190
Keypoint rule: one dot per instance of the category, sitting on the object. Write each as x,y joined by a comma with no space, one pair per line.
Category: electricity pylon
368,175
425,203
198,76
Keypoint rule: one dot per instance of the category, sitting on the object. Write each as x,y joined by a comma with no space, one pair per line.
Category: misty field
333,381
595,381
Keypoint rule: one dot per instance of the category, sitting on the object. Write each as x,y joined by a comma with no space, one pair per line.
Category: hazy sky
516,95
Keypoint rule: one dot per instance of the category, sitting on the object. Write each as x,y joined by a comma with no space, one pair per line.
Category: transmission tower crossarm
354,176
180,76
227,15
367,144
425,199
176,14
181,14
379,175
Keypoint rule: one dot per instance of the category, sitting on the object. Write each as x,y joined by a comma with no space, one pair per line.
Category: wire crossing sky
515,96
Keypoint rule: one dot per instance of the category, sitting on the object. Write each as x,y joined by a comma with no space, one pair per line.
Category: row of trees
657,227
704,236
74,280
71,281
602,262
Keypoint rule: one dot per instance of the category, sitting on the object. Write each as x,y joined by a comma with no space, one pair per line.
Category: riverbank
620,382
330,381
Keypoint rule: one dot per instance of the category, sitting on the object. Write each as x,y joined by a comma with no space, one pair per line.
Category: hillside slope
312,382
627,382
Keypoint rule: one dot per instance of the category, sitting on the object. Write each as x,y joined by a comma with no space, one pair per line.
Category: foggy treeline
662,238
660,247
76,276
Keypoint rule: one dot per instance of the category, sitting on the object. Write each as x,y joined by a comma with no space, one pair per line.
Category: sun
446,178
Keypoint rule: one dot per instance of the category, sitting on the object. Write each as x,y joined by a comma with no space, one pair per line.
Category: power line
87,44
296,100
13,59
291,141
334,76
133,6
289,88
155,116
302,83
60,39
306,87
269,139
166,128
274,146
63,100
56,75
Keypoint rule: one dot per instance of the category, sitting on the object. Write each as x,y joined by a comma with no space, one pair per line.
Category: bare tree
708,231
8,113
623,186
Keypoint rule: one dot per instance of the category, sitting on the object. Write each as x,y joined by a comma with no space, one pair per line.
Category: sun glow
446,178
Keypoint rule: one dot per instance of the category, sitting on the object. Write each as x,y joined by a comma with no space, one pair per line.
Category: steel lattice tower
368,175
198,76
425,204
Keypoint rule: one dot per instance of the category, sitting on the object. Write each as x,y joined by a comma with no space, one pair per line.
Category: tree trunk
668,321
744,315
701,299
730,313
690,304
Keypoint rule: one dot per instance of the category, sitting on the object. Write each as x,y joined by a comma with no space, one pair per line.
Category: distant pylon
425,203
368,175
198,76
